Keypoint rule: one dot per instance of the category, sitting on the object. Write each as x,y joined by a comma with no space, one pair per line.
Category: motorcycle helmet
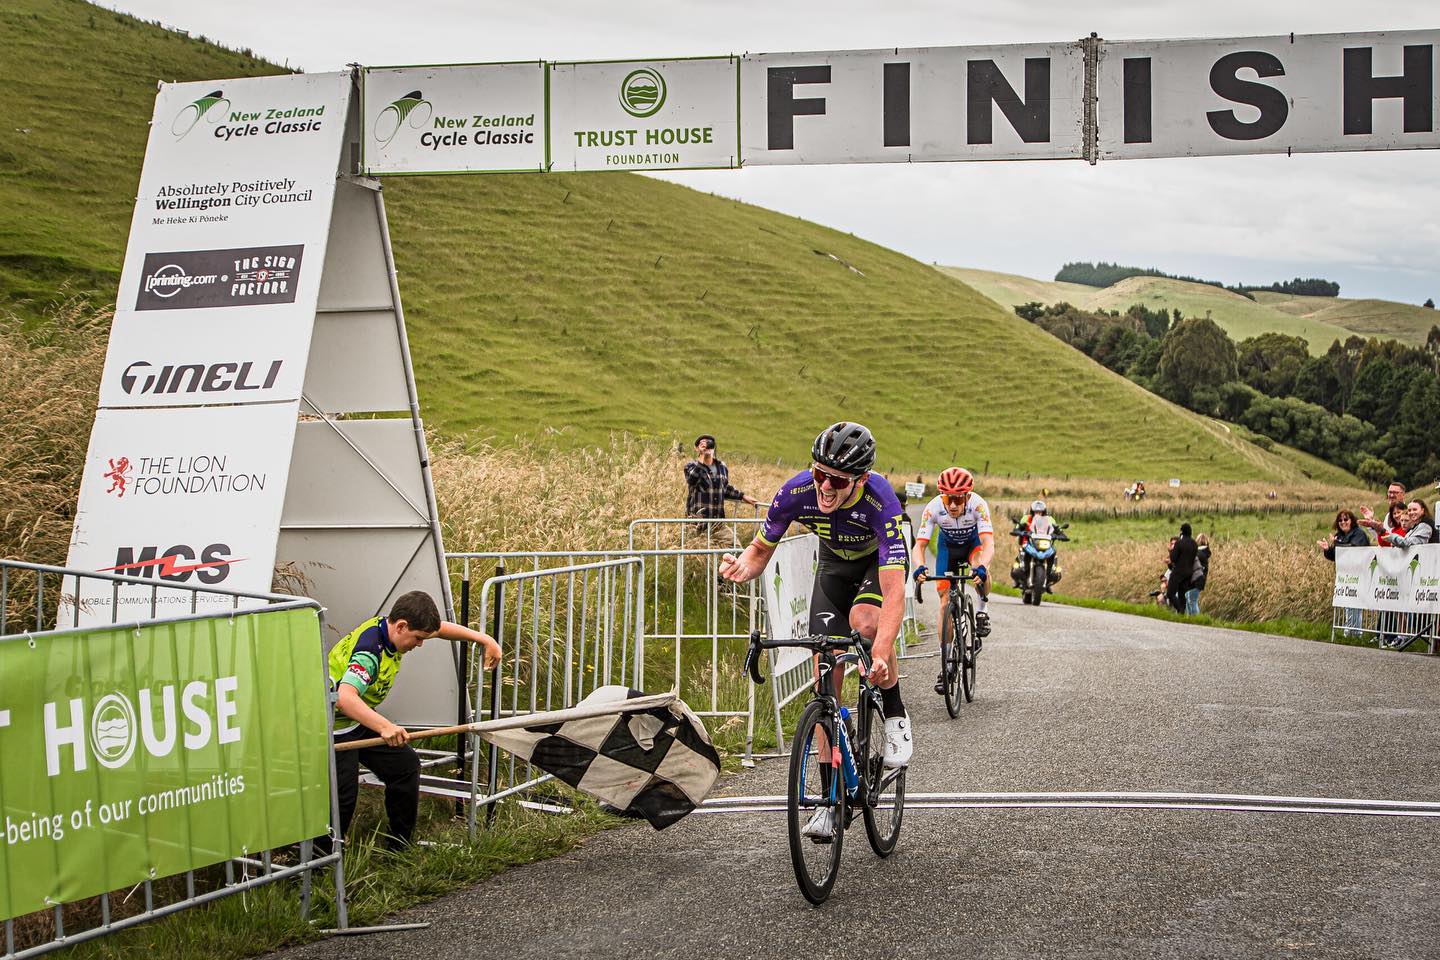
845,446
956,480
1038,506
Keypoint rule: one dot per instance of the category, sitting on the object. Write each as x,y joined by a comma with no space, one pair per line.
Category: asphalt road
1068,699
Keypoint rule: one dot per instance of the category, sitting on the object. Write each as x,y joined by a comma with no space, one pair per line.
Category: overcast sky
1369,221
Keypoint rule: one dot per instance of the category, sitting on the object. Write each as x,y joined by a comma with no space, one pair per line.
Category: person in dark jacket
1348,533
1200,575
1182,568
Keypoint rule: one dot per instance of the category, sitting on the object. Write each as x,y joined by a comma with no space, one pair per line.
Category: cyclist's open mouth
827,497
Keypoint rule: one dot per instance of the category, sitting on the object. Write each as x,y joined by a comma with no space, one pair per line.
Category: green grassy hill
1320,320
565,307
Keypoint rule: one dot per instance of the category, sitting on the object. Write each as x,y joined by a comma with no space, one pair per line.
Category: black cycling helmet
845,446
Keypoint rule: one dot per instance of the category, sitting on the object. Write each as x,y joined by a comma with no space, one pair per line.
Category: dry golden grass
526,497
49,390
1249,580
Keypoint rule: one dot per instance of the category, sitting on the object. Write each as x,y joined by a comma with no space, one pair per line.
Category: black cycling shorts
839,585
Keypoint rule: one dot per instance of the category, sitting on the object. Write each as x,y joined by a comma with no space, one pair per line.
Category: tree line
1104,274
1370,406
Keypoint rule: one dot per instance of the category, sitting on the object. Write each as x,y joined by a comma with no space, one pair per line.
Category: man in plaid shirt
709,481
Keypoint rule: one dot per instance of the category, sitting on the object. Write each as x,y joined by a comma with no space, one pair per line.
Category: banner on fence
135,754
788,582
1388,578
477,118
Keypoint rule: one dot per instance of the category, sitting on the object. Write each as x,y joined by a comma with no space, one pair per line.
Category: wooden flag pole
581,712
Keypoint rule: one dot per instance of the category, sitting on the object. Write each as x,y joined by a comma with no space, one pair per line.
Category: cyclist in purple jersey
860,576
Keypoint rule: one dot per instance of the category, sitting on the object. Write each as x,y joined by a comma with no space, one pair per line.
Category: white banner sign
218,291
480,118
183,496
1388,578
644,115
1181,98
788,582
942,103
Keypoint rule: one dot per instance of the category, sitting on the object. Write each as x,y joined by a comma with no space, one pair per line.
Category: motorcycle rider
966,535
1037,523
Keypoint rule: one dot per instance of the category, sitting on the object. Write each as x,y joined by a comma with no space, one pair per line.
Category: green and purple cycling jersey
868,520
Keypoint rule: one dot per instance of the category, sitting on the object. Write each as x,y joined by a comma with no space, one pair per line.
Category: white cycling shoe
898,743
821,828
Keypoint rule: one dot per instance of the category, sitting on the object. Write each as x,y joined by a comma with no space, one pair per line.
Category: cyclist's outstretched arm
750,564
986,552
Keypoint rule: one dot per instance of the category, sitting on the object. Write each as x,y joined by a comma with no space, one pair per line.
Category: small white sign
480,118
1174,481
788,582
645,115
913,489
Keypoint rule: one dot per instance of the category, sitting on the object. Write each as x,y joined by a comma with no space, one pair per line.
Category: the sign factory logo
239,277
642,93
180,475
215,112
412,110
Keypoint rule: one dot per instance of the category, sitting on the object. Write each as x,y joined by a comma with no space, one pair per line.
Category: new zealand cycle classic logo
411,110
212,108
642,93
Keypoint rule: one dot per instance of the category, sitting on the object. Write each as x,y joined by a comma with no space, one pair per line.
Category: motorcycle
1035,567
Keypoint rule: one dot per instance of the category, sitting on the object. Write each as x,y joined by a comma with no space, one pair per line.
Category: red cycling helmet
956,480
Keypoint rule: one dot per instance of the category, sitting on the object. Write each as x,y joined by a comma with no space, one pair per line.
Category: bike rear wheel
816,864
953,628
969,651
884,789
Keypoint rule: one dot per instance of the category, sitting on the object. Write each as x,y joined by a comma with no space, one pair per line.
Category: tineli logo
211,108
642,93
411,110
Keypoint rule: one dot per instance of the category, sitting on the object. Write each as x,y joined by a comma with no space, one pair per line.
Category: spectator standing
1418,527
709,482
1198,578
1348,533
1182,568
1394,494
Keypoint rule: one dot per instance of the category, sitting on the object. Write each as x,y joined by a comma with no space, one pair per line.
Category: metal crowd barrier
1387,628
34,607
564,631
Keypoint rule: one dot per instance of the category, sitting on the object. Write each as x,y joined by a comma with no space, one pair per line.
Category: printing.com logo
211,108
642,93
412,109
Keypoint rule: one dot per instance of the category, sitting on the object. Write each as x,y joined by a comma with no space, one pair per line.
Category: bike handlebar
816,642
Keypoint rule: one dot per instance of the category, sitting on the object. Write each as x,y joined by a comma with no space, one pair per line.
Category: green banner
141,753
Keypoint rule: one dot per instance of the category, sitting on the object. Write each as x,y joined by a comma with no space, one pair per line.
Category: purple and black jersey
868,521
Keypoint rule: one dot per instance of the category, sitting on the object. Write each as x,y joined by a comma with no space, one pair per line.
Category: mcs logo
176,564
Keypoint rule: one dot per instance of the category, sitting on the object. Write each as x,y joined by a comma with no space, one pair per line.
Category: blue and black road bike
837,763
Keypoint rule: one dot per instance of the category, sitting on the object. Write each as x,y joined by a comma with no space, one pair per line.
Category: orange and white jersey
957,531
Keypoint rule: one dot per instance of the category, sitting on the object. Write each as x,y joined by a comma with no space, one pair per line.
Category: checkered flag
649,756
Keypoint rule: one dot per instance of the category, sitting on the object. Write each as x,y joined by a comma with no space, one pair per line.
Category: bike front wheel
952,626
884,789
816,782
